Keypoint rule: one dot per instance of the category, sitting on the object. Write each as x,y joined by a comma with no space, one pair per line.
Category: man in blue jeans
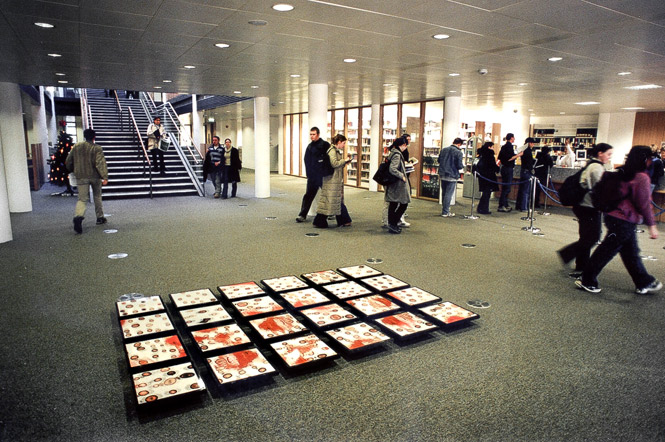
450,163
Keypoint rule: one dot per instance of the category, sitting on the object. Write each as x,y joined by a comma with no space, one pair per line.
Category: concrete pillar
317,113
262,147
238,142
375,150
451,120
52,120
196,123
39,126
13,149
280,143
5,219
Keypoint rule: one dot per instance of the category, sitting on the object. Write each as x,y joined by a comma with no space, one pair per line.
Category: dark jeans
589,221
524,191
507,180
216,178
622,239
484,202
157,160
343,218
225,179
308,197
395,212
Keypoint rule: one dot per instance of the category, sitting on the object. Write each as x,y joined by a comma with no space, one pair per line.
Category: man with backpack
314,165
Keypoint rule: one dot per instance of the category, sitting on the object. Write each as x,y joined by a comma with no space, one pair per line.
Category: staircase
128,172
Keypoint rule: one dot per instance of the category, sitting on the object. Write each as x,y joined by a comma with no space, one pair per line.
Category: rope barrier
545,191
514,183
660,209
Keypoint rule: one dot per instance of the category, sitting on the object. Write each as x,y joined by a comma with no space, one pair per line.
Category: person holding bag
487,170
155,134
398,193
331,201
621,238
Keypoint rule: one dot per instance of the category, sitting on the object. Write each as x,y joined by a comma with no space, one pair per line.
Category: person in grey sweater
450,163
86,160
397,194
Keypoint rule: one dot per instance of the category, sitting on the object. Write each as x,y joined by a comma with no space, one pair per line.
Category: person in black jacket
507,158
542,168
313,169
526,172
212,165
487,170
231,169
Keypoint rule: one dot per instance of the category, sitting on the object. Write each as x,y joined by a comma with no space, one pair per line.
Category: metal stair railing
137,137
192,161
85,110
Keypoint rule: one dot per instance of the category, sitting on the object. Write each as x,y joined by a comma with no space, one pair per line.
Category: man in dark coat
314,154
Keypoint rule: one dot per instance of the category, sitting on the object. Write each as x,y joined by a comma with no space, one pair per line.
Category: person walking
231,169
451,161
487,170
212,165
331,201
526,172
88,164
398,194
155,134
588,217
621,237
507,158
313,169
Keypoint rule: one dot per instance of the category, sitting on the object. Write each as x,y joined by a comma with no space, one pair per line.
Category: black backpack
606,194
326,167
571,192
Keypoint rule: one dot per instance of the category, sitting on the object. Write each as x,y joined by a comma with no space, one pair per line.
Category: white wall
617,129
275,141
248,143
517,123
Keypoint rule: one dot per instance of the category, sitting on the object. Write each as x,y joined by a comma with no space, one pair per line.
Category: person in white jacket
155,134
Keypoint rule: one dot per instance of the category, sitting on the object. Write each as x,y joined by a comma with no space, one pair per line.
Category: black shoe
78,221
504,209
300,219
394,229
588,288
484,213
101,220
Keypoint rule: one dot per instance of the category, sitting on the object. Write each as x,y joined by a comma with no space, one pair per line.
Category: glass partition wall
423,121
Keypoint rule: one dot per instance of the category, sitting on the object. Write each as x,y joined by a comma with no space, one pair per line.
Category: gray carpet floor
544,362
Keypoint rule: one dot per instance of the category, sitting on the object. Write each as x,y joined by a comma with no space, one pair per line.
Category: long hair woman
487,170
621,222
397,194
588,217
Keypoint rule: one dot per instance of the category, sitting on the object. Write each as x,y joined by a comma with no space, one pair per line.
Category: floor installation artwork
287,324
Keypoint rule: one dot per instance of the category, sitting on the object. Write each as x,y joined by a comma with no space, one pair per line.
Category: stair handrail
117,101
142,144
188,167
85,110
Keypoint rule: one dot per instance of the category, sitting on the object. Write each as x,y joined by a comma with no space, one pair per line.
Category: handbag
383,175
164,145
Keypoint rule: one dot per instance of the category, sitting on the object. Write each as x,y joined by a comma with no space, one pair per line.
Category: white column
238,142
40,127
280,143
375,151
52,121
196,124
13,149
5,219
262,147
451,119
317,109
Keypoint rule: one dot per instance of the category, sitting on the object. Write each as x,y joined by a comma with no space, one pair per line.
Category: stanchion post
473,197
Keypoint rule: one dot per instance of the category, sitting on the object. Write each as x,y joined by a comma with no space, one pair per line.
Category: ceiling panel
118,19
194,12
142,7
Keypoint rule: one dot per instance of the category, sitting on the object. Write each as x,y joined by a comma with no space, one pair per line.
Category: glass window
389,132
366,118
287,144
353,120
295,145
304,141
429,185
339,122
411,126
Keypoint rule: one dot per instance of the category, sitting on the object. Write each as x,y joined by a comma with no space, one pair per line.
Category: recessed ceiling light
530,110
453,74
157,87
440,36
228,112
555,59
63,81
349,60
189,66
255,87
624,73
237,92
643,86
388,84
587,103
562,113
44,25
452,92
221,45
54,55
334,93
632,108
258,22
282,7
281,102
522,84
295,75
167,81
60,74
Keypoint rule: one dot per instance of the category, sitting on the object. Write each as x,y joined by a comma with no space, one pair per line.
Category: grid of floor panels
286,324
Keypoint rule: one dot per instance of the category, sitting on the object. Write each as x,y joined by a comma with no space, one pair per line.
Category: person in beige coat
331,201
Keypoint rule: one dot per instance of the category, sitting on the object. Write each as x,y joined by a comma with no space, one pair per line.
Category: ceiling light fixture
44,25
587,103
157,87
167,81
453,74
282,7
221,45
55,55
63,81
632,108
237,92
295,75
452,92
562,113
522,84
624,73
555,59
388,84
189,66
349,60
440,36
643,86
60,74
255,87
